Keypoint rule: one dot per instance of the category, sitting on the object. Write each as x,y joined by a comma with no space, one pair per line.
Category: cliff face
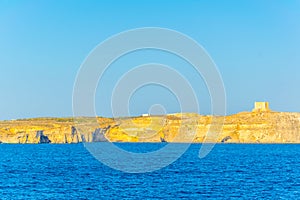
246,127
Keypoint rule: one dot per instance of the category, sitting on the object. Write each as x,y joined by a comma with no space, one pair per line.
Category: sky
255,45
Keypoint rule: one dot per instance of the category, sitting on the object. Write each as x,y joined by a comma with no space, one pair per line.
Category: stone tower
261,107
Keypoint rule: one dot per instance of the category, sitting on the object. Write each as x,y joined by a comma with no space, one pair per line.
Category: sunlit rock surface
245,127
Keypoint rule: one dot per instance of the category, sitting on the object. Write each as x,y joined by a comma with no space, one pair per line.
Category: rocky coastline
258,126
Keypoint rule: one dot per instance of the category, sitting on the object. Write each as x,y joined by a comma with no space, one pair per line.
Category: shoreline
198,143
256,127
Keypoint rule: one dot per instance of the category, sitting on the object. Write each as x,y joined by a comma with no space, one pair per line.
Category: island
261,125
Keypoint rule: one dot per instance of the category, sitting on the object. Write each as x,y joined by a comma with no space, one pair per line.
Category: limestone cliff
245,127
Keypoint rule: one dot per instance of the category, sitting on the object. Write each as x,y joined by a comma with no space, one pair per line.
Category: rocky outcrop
99,135
245,127
42,139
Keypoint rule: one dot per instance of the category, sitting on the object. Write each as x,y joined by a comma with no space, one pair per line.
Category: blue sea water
247,171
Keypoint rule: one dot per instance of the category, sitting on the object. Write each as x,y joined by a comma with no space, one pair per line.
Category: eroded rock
226,139
244,127
99,135
43,139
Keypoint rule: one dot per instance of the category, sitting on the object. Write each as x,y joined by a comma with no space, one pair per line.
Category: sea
229,171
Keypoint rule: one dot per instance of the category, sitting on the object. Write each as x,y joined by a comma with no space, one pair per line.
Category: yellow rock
259,126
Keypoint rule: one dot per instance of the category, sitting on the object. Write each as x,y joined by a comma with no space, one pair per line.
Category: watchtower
261,107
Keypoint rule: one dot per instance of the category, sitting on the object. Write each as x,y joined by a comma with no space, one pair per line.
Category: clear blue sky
255,44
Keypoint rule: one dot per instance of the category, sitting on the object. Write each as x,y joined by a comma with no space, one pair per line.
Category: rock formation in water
259,126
